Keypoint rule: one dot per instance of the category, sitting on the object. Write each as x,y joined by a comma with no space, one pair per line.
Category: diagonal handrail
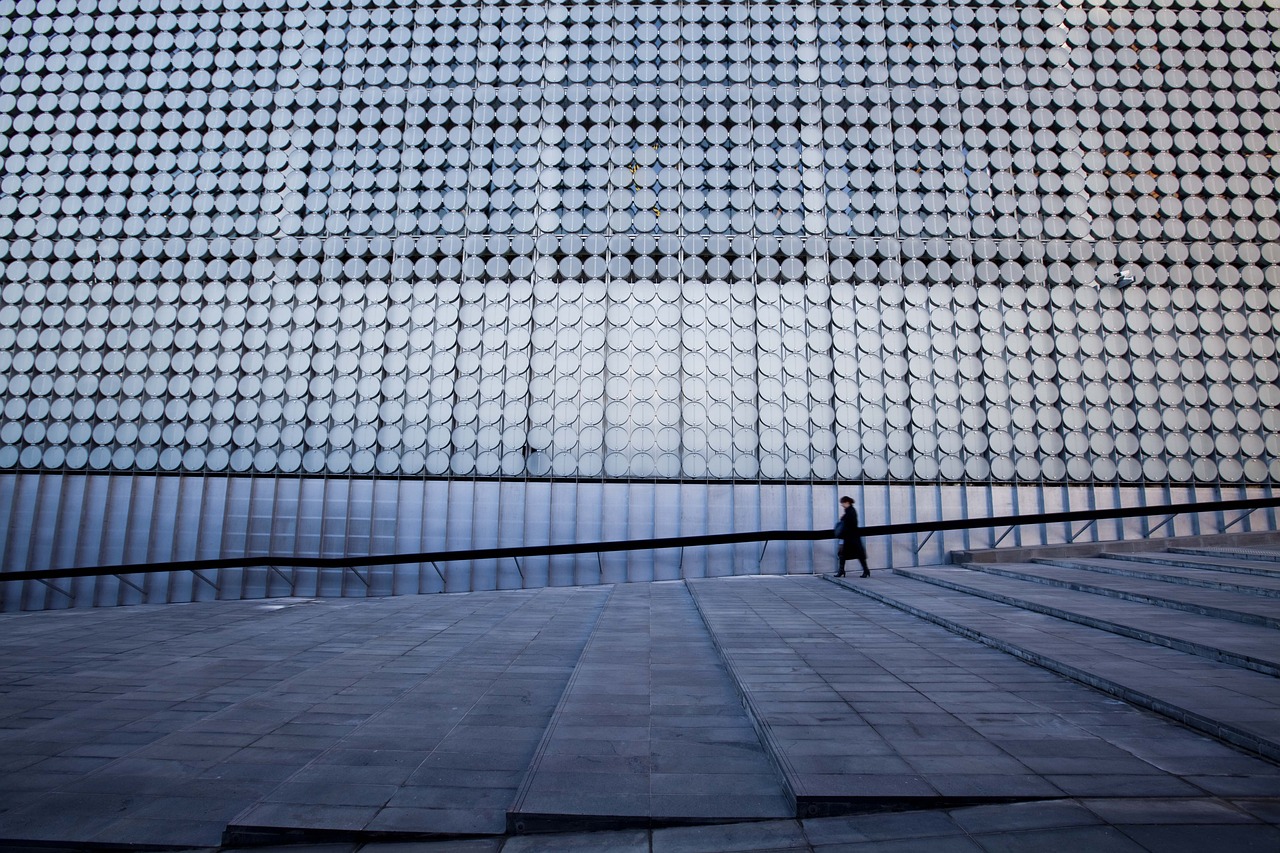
702,540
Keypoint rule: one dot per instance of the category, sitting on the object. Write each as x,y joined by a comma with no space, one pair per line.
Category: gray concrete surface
650,726
1259,539
781,713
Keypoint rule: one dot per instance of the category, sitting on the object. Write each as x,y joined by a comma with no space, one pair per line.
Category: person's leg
841,559
862,558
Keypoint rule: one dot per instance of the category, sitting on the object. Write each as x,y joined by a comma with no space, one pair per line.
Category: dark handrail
281,561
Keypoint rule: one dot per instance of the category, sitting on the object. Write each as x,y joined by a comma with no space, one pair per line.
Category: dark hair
846,499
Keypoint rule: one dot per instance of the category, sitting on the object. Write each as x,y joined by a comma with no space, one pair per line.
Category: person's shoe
839,574
865,575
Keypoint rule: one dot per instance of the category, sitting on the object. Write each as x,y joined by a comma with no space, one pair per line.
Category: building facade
294,276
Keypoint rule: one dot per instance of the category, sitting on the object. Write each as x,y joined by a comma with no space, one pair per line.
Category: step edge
1177,644
1234,735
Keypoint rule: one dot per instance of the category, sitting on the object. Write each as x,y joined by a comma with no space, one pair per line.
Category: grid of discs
736,240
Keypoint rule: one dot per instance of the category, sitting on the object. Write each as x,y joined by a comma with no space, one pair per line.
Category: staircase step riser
1177,563
1137,598
1244,739
1260,556
1157,576
1271,668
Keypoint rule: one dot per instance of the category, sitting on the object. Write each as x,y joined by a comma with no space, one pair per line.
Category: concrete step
1207,562
867,707
1265,555
1122,565
1221,604
649,730
1251,646
1237,705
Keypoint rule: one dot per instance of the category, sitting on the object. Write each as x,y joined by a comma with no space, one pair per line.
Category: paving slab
470,731
649,679
1234,704
213,707
400,719
1146,825
1060,593
863,706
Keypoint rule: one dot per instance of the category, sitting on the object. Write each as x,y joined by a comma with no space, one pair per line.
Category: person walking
849,538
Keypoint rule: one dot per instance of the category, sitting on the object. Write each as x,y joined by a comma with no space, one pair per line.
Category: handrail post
1243,516
927,537
196,572
1082,530
1162,524
276,570
129,583
51,586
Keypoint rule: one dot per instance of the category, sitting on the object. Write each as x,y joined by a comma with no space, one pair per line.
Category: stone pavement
849,716
1188,622
863,703
1111,825
1218,678
650,726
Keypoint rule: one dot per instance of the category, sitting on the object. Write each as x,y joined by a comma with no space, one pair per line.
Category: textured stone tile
1095,839
1022,816
630,841
766,835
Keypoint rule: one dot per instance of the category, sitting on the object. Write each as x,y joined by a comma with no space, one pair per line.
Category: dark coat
849,533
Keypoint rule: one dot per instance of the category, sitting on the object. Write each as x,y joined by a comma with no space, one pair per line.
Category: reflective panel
469,242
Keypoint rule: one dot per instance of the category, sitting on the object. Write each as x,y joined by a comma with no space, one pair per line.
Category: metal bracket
56,589
290,581
359,576
1082,530
127,583
1162,524
927,537
1002,537
196,572
443,583
1245,515
516,560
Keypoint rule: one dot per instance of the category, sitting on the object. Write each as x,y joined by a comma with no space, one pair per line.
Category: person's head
846,501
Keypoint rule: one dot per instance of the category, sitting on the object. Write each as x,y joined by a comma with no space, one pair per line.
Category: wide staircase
1188,632
761,697
1087,674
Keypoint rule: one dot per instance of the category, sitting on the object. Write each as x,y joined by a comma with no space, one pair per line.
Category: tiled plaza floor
449,722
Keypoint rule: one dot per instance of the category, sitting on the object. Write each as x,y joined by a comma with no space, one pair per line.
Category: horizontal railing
278,561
